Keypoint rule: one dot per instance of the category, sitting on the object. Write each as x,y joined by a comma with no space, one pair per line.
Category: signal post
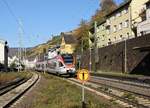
83,76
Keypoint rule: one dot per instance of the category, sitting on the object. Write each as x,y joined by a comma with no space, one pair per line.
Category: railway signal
83,76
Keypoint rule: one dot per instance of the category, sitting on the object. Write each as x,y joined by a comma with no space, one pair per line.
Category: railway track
120,93
139,89
13,91
135,79
11,85
129,82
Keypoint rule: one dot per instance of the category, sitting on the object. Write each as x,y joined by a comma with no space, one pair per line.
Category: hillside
56,40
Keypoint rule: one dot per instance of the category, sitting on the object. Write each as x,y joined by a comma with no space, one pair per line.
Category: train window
68,59
52,65
43,66
60,64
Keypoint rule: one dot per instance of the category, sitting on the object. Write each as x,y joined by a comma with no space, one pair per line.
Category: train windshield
68,59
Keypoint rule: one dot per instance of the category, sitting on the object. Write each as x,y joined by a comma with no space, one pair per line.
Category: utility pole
125,56
90,64
44,64
95,44
45,60
80,63
25,58
20,43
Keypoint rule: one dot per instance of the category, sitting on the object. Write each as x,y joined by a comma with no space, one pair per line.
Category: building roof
69,38
122,5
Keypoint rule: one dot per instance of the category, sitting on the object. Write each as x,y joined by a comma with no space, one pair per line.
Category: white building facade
2,51
144,27
3,55
2,47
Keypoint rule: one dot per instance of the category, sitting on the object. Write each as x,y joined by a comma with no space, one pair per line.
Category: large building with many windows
119,25
101,34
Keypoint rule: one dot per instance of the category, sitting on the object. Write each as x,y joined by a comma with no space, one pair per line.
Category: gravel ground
48,93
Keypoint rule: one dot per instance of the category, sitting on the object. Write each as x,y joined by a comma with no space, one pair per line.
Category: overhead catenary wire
21,31
17,20
13,14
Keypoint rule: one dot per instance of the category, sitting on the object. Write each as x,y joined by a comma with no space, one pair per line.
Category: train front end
69,62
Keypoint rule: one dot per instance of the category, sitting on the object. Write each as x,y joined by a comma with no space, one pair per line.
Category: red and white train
60,64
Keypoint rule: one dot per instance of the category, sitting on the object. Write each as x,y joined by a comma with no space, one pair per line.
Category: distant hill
39,49
14,51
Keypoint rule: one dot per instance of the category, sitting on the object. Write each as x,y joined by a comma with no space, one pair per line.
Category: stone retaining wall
111,58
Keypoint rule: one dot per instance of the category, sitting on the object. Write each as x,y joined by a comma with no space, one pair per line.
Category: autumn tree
83,36
82,33
106,6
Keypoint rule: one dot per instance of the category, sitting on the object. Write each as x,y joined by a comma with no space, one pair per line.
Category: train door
61,67
52,66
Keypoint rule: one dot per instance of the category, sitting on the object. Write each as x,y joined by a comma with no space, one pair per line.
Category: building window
125,11
102,27
148,13
108,21
128,35
98,29
118,14
109,42
120,26
108,31
121,36
126,23
113,17
115,28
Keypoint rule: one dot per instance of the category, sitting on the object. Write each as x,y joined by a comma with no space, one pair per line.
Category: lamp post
95,44
125,55
90,64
